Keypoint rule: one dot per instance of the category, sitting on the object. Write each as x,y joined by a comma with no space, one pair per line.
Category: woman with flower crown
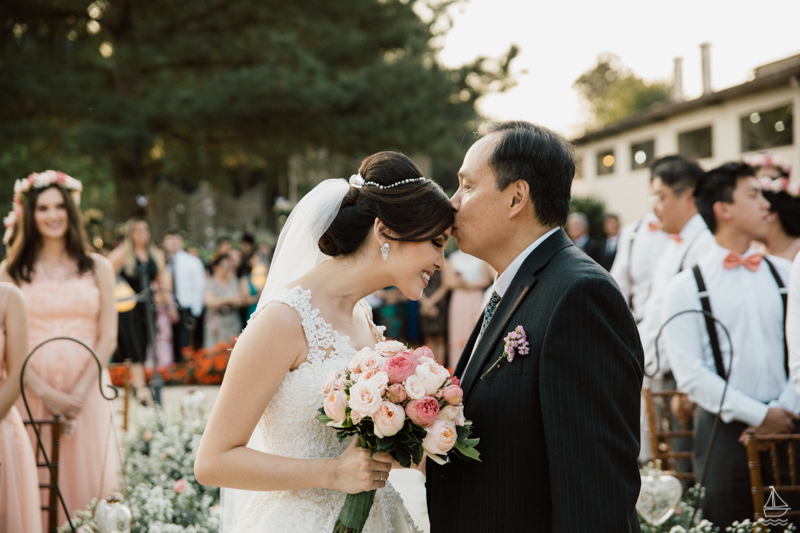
342,242
68,292
783,237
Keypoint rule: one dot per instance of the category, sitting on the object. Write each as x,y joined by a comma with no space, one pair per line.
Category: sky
561,39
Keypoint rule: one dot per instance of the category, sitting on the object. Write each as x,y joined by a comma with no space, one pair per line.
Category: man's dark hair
788,210
676,172
248,238
544,159
717,185
610,216
173,231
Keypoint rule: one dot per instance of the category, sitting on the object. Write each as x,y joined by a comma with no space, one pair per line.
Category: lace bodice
288,428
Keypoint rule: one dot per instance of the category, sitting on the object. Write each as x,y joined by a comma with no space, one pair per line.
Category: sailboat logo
774,509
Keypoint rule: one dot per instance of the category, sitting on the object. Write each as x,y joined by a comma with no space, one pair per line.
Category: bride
342,242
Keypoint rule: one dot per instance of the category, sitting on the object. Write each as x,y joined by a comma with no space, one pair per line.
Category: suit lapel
467,351
521,285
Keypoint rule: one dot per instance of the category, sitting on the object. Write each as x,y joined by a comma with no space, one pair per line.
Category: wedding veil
296,253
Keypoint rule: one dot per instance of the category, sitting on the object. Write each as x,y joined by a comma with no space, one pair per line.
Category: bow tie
750,262
654,226
675,237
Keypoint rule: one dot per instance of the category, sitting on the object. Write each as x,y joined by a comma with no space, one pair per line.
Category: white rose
431,375
451,413
355,362
414,387
334,405
390,348
425,360
327,387
440,438
370,360
365,398
380,380
388,420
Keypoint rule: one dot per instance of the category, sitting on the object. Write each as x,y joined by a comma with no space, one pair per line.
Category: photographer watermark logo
774,509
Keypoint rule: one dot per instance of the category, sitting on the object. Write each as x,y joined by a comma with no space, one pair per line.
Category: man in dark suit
558,426
611,229
578,231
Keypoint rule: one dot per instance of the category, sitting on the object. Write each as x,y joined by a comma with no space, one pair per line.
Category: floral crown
764,160
357,181
39,180
778,185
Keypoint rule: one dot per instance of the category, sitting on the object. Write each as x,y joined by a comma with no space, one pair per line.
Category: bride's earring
385,251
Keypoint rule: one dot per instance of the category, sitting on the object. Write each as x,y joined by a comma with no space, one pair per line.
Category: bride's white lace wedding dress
289,429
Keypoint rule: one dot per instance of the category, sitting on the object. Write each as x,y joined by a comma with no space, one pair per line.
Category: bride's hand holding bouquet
399,403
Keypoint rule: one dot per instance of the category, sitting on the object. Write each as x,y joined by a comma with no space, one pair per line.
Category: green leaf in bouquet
466,452
463,432
471,442
418,454
402,456
324,418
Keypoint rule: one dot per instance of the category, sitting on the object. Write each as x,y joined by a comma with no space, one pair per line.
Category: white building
718,127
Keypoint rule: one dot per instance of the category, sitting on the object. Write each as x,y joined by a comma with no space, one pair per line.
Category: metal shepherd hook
30,414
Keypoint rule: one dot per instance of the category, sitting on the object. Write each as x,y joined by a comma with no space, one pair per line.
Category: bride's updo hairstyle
414,211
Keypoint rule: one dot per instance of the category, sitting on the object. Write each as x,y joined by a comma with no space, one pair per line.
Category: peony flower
388,420
455,381
396,393
389,348
414,388
378,378
335,405
423,411
440,438
399,367
370,360
431,374
453,394
424,351
180,486
365,398
452,413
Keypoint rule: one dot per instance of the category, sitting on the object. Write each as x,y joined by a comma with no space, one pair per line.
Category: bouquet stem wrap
354,513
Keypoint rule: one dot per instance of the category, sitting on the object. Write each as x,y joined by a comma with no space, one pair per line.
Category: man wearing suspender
746,293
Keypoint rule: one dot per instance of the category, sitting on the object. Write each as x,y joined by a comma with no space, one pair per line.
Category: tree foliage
614,93
133,91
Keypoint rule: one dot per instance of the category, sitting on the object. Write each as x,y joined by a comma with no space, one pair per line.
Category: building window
767,129
605,162
695,144
642,154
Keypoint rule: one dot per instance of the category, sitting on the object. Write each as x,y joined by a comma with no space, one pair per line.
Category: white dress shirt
749,304
638,252
503,281
189,279
696,240
793,323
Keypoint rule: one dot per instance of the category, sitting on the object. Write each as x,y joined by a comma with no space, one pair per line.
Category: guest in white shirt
743,294
188,277
641,244
793,325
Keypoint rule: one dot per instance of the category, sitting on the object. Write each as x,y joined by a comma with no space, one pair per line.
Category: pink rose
370,360
389,348
335,405
431,374
452,413
365,398
440,438
414,388
396,393
423,411
388,420
180,486
455,381
399,367
453,394
424,351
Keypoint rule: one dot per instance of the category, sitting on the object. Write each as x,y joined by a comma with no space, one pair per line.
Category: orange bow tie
750,262
654,226
675,237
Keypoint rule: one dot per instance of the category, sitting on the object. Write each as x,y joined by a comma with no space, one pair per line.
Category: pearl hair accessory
385,251
357,181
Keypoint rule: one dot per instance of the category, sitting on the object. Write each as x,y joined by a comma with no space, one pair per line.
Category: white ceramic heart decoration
658,498
112,517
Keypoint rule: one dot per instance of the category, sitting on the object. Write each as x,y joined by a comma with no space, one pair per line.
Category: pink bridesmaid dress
65,304
19,484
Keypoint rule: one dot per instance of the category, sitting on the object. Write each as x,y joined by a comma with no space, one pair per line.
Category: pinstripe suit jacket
559,427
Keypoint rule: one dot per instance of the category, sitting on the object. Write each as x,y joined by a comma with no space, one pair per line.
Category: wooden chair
661,424
52,504
757,488
126,386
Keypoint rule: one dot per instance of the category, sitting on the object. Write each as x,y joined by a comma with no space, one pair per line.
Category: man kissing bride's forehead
552,372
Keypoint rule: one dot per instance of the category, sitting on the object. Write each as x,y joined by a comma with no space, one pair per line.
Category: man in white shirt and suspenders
746,293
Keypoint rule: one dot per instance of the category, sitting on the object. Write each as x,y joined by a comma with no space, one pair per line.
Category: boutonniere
516,343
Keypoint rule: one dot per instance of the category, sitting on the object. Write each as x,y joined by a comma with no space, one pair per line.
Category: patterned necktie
490,307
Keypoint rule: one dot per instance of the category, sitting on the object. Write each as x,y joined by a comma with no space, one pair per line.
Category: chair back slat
792,469
51,506
663,429
755,445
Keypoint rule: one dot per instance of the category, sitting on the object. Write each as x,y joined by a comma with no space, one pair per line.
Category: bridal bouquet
398,401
